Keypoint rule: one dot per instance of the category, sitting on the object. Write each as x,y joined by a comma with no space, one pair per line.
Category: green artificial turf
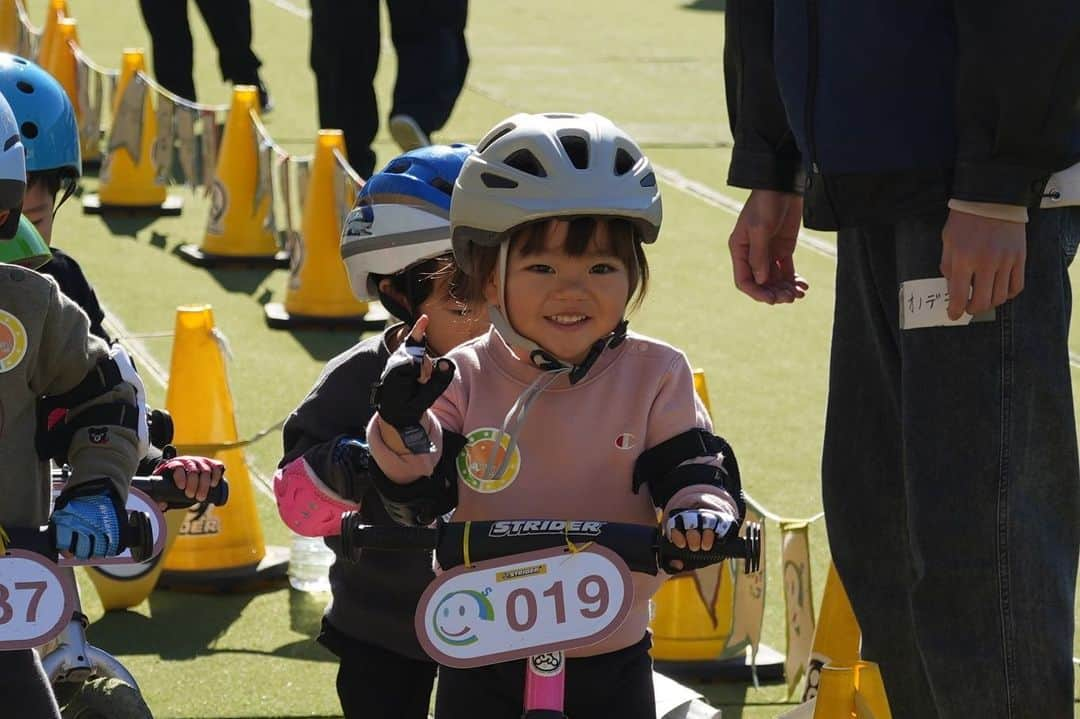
653,67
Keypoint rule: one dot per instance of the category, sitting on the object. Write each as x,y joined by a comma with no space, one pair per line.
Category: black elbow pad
421,502
662,468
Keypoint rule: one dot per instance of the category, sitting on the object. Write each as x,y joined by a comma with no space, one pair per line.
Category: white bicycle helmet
12,171
532,167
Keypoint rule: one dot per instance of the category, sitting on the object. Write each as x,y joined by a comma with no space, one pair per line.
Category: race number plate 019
36,601
526,604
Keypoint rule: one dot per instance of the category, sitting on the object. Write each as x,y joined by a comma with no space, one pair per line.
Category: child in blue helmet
50,136
396,246
46,351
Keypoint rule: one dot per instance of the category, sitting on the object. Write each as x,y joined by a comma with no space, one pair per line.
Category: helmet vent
12,141
20,61
25,86
487,143
398,166
29,130
525,161
624,162
649,180
497,182
577,149
442,185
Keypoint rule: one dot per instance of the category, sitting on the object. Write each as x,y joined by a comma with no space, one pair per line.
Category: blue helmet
401,216
45,116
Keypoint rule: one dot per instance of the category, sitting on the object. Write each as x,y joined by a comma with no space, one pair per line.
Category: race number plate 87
36,601
515,607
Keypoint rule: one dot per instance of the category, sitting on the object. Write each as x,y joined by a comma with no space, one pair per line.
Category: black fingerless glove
401,399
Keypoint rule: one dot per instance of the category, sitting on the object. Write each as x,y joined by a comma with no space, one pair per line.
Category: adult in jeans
925,132
229,22
432,57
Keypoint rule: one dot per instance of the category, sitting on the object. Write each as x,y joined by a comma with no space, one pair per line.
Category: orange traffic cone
837,637
9,27
60,62
318,291
122,586
694,619
128,178
222,548
58,9
237,231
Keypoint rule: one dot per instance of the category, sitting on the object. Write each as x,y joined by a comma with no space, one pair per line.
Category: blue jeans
950,479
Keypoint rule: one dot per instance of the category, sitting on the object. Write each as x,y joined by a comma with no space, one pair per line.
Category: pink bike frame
544,686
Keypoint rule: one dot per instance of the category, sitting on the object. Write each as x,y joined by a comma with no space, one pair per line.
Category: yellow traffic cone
9,27
318,291
870,699
58,9
60,62
128,178
237,232
836,699
123,586
223,548
837,637
694,618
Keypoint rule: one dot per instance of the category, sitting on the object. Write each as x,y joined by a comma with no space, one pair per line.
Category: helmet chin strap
539,356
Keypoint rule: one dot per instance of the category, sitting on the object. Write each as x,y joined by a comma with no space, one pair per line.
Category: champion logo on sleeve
625,441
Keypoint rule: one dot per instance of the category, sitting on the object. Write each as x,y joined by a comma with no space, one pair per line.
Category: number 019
592,594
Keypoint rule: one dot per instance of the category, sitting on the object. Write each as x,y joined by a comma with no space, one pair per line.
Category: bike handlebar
163,489
136,535
644,548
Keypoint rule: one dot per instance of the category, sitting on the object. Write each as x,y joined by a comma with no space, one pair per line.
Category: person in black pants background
429,37
229,22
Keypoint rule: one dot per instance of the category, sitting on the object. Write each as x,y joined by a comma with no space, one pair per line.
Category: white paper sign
36,601
925,303
515,607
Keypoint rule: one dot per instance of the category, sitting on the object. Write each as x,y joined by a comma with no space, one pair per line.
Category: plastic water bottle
309,564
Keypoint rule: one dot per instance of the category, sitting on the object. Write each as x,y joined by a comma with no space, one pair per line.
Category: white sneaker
407,133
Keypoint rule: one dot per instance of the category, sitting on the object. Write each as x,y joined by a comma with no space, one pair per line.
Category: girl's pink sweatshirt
576,449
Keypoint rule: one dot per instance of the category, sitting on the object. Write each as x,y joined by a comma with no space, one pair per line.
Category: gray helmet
531,167
12,170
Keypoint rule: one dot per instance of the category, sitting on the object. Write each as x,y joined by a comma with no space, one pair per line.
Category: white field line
291,8
718,199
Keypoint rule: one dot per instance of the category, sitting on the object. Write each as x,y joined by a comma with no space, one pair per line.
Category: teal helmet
46,119
27,248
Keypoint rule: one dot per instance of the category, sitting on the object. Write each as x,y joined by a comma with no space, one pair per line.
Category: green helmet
27,248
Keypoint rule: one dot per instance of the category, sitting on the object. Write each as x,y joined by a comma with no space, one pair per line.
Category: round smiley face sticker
459,613
472,461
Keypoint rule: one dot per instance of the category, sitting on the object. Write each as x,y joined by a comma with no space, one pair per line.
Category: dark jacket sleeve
338,406
765,156
1018,96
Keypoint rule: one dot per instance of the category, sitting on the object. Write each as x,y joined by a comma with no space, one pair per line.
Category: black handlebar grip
357,536
161,428
748,549
138,536
164,489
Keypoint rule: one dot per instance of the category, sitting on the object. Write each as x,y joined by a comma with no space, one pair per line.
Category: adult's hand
763,245
983,261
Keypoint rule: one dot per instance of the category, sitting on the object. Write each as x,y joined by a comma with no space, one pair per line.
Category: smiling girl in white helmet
563,414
